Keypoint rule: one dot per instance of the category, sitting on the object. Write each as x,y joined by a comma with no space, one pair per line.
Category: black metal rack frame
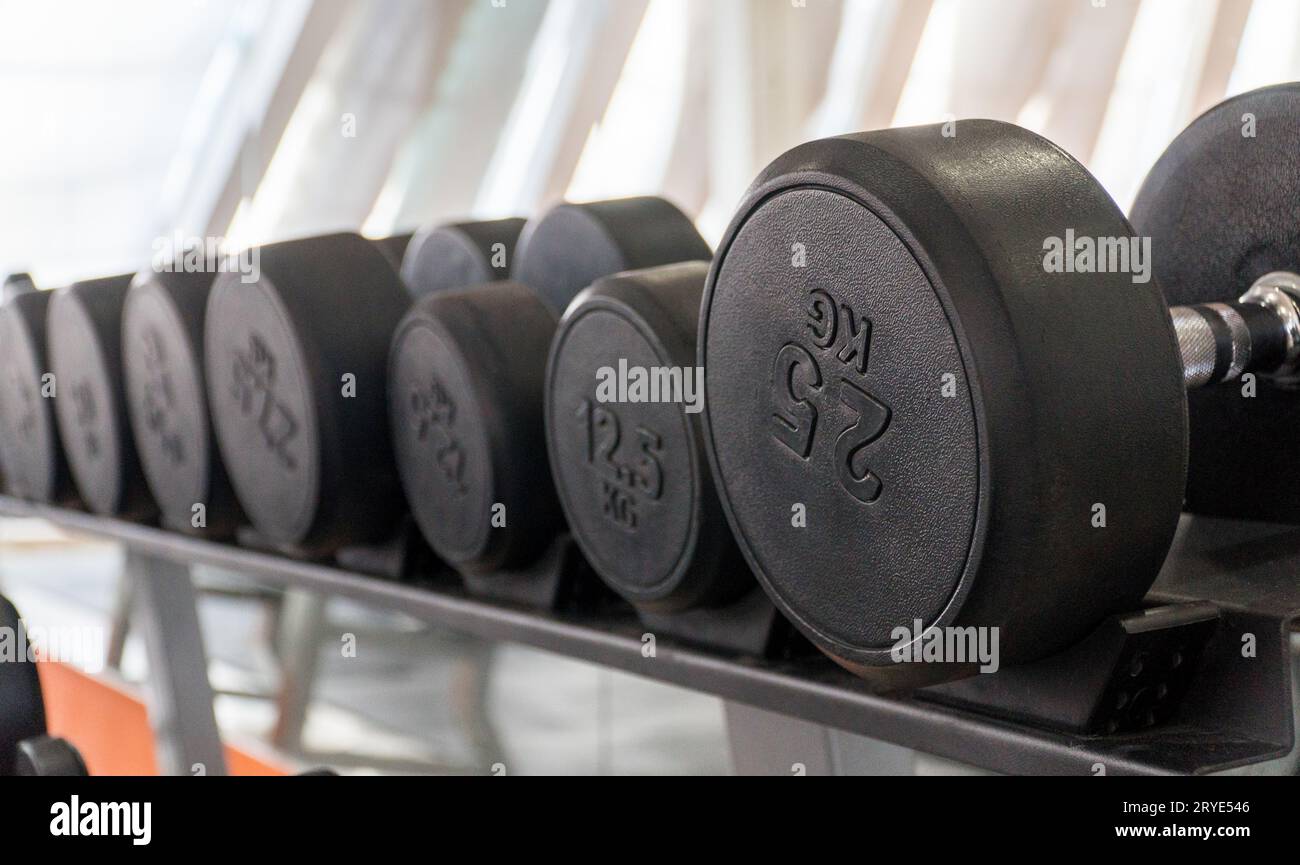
1238,716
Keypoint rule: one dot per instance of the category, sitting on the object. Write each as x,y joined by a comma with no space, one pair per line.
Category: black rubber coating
572,245
394,248
296,382
466,372
22,710
49,756
84,335
31,453
16,284
449,257
910,419
1220,209
166,393
632,475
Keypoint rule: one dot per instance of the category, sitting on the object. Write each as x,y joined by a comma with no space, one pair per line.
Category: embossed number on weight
254,382
873,418
795,420
83,400
797,389
432,411
623,485
23,416
648,473
160,399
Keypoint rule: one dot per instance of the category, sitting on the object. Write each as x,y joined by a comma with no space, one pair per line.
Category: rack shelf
1236,715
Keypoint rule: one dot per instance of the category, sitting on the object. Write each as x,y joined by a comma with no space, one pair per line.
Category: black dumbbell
162,330
1220,209
294,364
16,284
31,453
394,248
629,462
22,709
573,245
296,383
914,418
446,257
163,325
84,337
467,372
49,756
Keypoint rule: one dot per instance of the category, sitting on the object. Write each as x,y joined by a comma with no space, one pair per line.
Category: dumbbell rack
1236,716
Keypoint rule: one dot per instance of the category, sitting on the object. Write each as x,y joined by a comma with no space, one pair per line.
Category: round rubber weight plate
451,257
819,416
259,394
86,404
1220,204
442,451
1220,209
572,245
29,447
167,403
443,260
627,473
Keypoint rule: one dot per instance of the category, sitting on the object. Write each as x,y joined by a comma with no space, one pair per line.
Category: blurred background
262,119
258,120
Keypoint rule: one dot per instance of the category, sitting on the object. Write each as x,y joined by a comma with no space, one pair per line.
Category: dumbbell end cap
1280,293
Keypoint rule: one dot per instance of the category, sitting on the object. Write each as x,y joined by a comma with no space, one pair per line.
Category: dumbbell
22,708
631,473
49,756
162,329
912,421
84,338
293,364
1220,209
163,324
573,245
445,257
296,381
394,248
467,372
25,748
31,454
16,284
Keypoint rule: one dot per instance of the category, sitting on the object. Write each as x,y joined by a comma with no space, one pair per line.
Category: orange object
109,725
